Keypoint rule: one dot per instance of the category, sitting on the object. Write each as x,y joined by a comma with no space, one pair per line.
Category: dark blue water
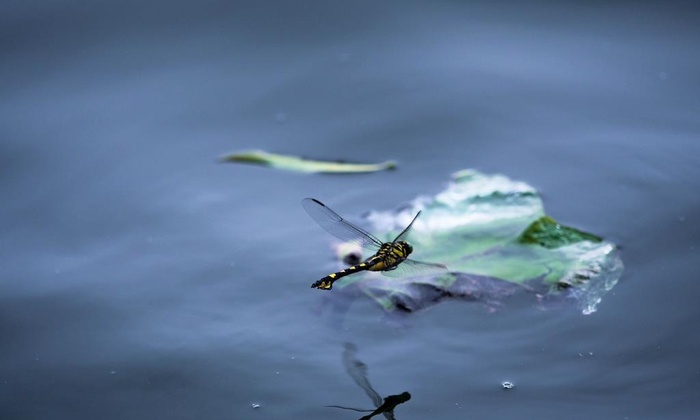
141,279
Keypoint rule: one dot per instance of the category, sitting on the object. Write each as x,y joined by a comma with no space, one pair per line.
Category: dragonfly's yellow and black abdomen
326,283
387,258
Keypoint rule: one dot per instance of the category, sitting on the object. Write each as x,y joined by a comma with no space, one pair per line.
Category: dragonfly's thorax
390,255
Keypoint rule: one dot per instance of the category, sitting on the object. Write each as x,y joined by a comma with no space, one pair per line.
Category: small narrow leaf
298,164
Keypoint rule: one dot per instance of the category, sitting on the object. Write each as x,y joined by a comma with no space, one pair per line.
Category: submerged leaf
297,164
483,227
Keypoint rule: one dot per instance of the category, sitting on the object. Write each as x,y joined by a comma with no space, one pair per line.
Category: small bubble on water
507,385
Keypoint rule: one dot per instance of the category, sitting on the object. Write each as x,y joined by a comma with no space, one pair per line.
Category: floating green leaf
495,238
297,164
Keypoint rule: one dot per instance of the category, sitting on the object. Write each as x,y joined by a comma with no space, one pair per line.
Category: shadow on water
491,294
358,372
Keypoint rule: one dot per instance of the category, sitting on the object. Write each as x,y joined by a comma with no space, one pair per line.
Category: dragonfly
390,258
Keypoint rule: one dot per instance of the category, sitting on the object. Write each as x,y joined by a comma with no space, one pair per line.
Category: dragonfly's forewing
333,223
405,231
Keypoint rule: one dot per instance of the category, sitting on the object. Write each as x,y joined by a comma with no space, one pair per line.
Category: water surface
141,279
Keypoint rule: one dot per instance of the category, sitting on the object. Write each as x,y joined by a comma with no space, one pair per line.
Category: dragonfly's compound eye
409,248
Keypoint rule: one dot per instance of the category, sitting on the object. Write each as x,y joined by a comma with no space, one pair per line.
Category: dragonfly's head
407,248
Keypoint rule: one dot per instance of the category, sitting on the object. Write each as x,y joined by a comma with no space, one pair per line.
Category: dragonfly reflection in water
391,258
358,372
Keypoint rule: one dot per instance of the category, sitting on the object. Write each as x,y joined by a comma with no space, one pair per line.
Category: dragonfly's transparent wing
336,225
413,268
405,231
